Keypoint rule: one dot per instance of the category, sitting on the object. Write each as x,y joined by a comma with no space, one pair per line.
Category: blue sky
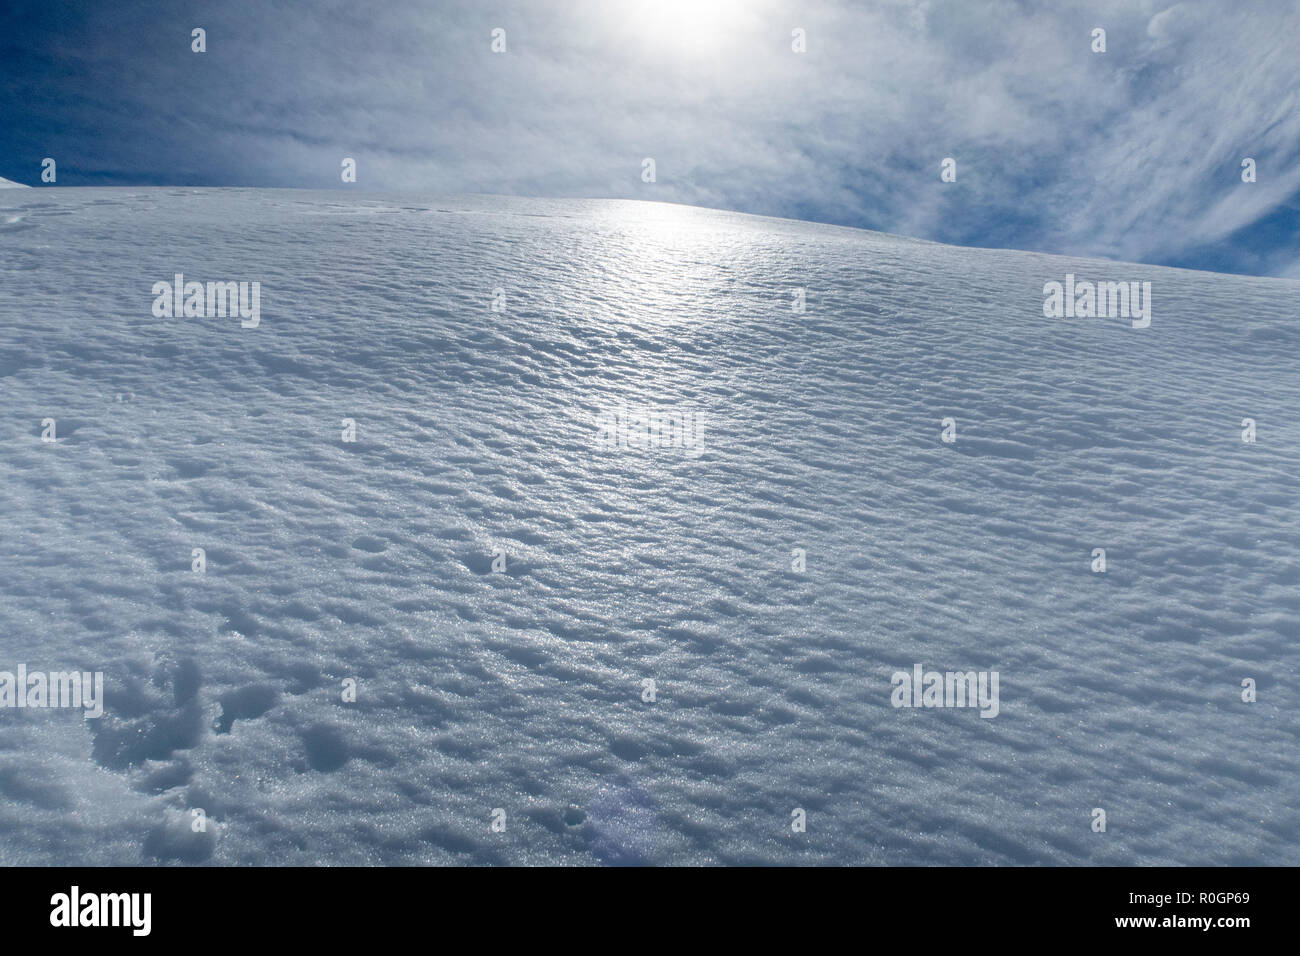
1132,154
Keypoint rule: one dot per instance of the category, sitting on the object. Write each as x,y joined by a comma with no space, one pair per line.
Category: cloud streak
1134,153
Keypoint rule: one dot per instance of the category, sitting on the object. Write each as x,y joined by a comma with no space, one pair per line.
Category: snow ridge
498,585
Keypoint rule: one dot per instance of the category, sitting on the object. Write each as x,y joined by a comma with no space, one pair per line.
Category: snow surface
522,690
9,184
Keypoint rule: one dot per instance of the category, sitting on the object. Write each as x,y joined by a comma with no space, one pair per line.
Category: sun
692,26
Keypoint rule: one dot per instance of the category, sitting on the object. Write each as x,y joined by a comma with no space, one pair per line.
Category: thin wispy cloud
1133,153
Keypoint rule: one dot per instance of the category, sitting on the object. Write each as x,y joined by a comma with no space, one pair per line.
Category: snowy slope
522,690
8,184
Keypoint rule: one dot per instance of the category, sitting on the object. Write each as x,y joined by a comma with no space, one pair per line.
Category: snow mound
8,184
357,651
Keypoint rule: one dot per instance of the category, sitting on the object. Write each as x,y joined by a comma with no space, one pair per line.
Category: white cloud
1133,153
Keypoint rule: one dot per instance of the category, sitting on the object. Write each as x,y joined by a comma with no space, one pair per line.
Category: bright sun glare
687,25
